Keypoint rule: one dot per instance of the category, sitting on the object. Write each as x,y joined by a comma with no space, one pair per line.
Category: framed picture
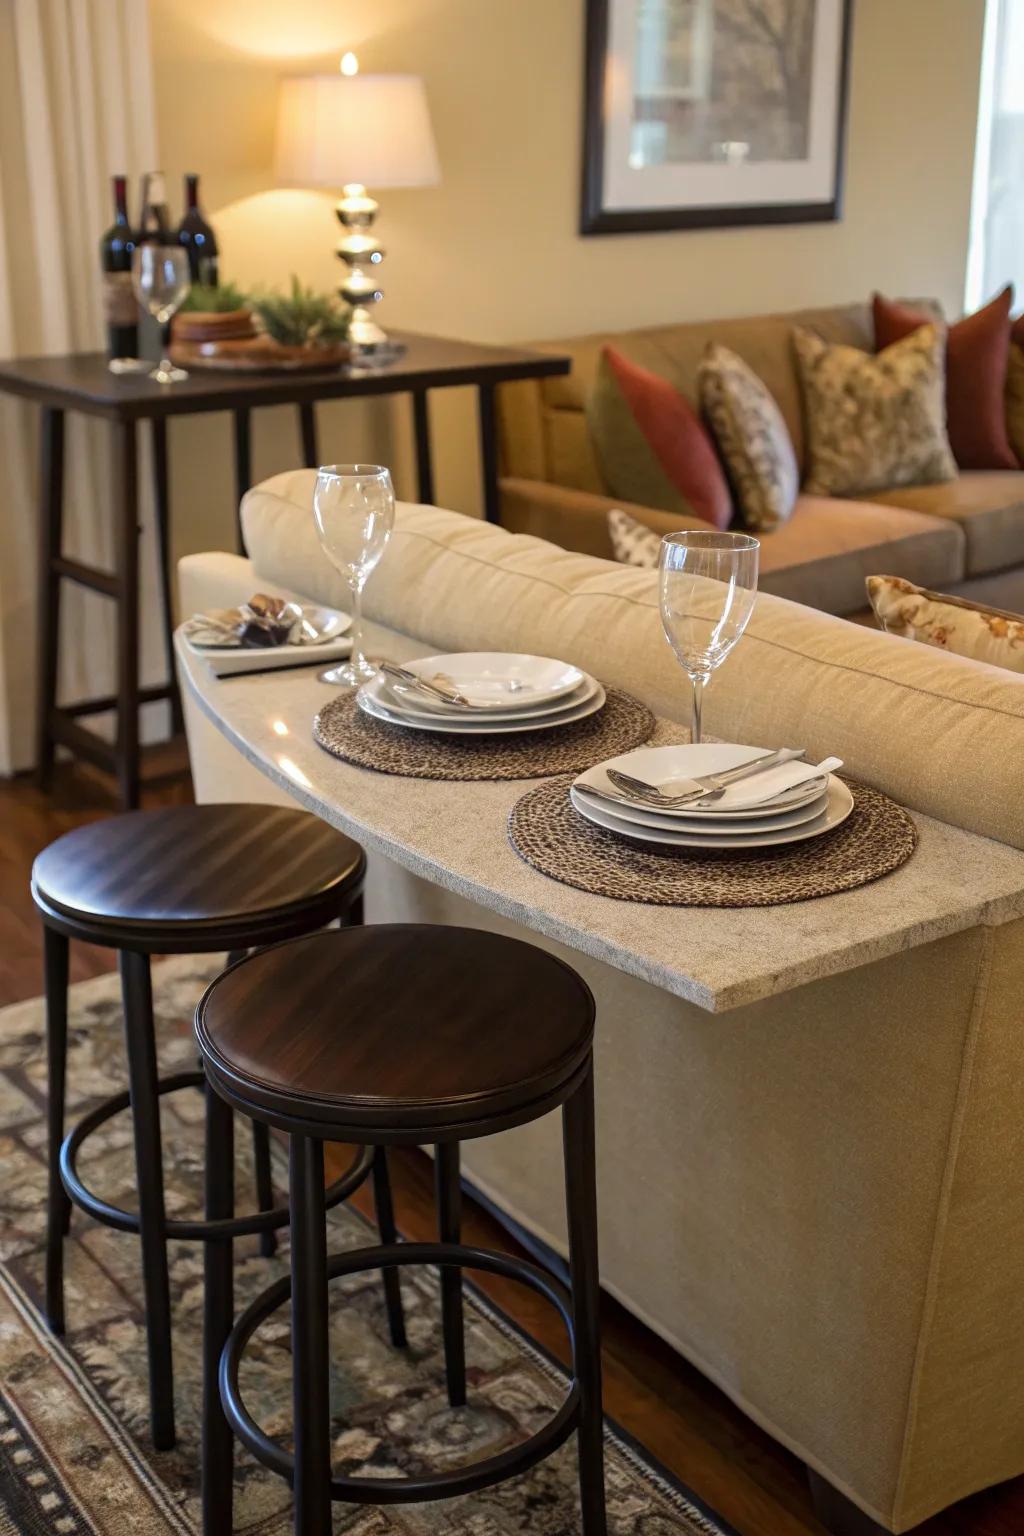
713,112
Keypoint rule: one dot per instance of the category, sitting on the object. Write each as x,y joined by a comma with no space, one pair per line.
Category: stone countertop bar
454,834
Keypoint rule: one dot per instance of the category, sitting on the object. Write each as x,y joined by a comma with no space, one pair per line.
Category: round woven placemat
544,829
342,729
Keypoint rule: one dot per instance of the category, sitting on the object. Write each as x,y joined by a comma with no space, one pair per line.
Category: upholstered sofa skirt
818,1199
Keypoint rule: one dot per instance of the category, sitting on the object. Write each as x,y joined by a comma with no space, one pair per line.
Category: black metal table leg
307,427
424,465
140,1045
162,505
449,1224
218,1316
385,1212
488,451
243,465
310,1350
581,1209
126,483
58,1206
51,518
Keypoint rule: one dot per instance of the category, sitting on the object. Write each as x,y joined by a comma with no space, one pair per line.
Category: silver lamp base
362,253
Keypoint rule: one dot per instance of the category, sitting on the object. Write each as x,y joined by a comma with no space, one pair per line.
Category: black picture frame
595,219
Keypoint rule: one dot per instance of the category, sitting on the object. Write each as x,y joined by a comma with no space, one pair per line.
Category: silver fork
712,785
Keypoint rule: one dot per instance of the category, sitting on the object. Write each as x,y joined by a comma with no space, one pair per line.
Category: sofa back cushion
942,734
542,428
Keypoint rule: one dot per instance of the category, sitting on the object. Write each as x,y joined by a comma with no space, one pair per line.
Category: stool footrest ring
198,1229
404,1490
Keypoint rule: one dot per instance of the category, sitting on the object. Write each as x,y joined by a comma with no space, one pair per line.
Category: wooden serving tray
257,354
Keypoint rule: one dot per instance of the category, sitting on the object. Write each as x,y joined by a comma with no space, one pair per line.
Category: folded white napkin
765,786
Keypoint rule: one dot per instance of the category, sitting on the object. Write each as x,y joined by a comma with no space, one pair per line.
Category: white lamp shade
336,129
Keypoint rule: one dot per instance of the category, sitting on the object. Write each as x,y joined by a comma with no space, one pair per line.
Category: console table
82,382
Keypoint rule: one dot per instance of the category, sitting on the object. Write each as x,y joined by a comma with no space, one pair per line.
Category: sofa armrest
576,520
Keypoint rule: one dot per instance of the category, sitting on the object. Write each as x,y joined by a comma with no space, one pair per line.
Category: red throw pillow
1017,331
653,447
977,352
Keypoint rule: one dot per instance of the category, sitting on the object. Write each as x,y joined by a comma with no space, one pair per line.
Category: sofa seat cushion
988,505
829,546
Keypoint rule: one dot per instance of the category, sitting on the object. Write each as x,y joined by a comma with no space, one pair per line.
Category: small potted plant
306,328
213,315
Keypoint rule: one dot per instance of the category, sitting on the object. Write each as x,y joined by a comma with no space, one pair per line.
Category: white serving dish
482,677
473,725
414,706
838,807
772,821
674,769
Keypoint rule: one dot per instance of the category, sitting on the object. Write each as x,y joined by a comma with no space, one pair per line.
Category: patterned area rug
74,1454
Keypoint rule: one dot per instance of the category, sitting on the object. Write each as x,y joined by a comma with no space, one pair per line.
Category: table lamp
356,131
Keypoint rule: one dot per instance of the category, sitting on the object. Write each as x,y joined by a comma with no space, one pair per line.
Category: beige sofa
965,537
817,1198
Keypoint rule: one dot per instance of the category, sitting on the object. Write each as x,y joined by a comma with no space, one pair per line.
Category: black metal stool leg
310,1347
388,1234
264,1183
140,1043
581,1209
58,1206
449,1223
260,1154
218,1316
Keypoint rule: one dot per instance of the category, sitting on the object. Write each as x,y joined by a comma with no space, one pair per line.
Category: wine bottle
154,220
119,306
196,235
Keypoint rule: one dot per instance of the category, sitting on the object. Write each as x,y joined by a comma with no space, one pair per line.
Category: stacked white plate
784,804
504,693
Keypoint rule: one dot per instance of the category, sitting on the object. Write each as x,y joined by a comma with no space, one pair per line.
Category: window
996,254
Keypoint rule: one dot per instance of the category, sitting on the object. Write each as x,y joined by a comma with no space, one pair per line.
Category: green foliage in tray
302,317
202,299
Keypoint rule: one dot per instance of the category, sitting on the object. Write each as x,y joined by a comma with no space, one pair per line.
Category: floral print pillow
875,421
752,438
632,543
966,629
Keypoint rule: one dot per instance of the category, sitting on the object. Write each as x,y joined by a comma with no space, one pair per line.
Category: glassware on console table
708,585
354,509
161,281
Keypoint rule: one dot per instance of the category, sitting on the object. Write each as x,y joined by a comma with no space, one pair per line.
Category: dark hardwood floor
685,1422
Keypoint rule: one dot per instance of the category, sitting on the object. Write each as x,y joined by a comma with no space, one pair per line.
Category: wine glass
160,277
708,586
354,509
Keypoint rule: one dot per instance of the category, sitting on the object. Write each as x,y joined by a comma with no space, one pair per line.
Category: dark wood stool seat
255,873
397,1033
181,880
393,1029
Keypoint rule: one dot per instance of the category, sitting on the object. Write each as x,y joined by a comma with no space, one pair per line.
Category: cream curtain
76,106
997,218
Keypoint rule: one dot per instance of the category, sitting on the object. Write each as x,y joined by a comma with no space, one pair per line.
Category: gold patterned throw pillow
752,438
1015,400
966,629
875,421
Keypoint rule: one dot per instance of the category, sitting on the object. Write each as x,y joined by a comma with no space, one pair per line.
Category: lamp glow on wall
356,131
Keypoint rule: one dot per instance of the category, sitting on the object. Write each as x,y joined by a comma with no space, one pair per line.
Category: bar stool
181,880
395,1034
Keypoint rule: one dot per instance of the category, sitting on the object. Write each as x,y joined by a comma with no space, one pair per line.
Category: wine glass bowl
707,588
161,279
354,512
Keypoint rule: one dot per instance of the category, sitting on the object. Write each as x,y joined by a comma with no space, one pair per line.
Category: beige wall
493,253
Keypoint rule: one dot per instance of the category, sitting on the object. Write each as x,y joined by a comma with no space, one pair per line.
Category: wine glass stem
698,699
357,658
